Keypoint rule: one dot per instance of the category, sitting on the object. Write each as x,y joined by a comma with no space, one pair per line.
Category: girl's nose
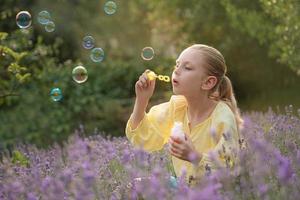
176,70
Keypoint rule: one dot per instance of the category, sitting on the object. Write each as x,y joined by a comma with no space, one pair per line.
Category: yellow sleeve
154,130
224,154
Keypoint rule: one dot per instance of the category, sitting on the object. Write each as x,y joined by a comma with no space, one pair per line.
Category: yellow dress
216,137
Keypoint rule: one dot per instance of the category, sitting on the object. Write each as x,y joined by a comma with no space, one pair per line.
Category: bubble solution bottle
177,131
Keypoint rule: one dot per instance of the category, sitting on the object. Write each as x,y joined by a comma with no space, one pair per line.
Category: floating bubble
147,53
56,94
88,42
44,17
97,55
23,19
110,7
79,74
50,26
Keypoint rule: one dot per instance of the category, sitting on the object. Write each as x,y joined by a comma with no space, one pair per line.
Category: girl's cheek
173,72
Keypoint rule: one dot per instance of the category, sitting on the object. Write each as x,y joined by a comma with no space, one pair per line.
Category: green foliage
15,74
272,22
20,159
103,102
244,31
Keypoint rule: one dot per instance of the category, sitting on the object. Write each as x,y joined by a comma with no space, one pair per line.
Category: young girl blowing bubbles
204,103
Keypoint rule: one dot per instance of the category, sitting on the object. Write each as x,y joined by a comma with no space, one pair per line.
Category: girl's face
189,77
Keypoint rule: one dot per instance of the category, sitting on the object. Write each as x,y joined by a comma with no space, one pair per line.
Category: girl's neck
200,107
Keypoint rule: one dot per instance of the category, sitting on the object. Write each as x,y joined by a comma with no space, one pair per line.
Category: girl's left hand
184,149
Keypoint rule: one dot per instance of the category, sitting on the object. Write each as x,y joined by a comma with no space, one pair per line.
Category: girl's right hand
144,87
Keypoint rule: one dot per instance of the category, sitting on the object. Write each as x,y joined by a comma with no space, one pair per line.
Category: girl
205,104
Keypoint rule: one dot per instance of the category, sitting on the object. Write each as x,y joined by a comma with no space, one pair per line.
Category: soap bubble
50,26
88,42
147,53
23,19
44,17
97,55
56,94
110,7
79,74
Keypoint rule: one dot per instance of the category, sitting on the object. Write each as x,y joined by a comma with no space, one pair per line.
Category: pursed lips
175,81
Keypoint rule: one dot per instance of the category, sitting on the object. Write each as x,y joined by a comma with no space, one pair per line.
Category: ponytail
226,94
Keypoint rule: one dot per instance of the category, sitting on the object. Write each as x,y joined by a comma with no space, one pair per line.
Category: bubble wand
151,76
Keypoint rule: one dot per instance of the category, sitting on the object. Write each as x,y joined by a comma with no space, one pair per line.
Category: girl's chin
175,91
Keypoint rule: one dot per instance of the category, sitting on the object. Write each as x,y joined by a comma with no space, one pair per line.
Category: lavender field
110,168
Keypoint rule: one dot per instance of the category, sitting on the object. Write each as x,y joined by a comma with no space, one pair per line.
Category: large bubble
44,17
97,55
56,94
88,42
23,19
147,53
79,74
110,7
50,26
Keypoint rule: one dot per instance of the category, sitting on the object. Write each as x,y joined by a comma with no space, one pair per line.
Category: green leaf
19,158
13,68
3,35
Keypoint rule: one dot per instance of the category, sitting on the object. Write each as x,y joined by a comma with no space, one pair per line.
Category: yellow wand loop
151,76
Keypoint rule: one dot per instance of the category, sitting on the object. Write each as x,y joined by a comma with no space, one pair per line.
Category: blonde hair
223,89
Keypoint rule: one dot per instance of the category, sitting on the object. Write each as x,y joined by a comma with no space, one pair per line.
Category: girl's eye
187,68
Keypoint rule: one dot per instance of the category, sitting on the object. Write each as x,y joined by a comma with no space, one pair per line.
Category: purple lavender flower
111,168
284,168
31,196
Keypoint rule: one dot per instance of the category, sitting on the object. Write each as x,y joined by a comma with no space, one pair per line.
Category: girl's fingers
151,83
175,154
174,139
176,146
172,150
175,150
140,84
143,80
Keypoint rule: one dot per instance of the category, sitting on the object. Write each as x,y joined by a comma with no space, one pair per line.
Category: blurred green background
260,40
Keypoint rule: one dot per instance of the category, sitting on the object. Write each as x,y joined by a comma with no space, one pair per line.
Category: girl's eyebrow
186,62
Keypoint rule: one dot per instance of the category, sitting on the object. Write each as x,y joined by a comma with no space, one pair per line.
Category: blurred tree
259,79
106,99
274,23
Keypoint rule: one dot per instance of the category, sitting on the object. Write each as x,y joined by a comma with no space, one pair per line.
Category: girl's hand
184,149
144,87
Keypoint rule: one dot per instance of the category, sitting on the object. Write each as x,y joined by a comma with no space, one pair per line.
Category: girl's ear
209,82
